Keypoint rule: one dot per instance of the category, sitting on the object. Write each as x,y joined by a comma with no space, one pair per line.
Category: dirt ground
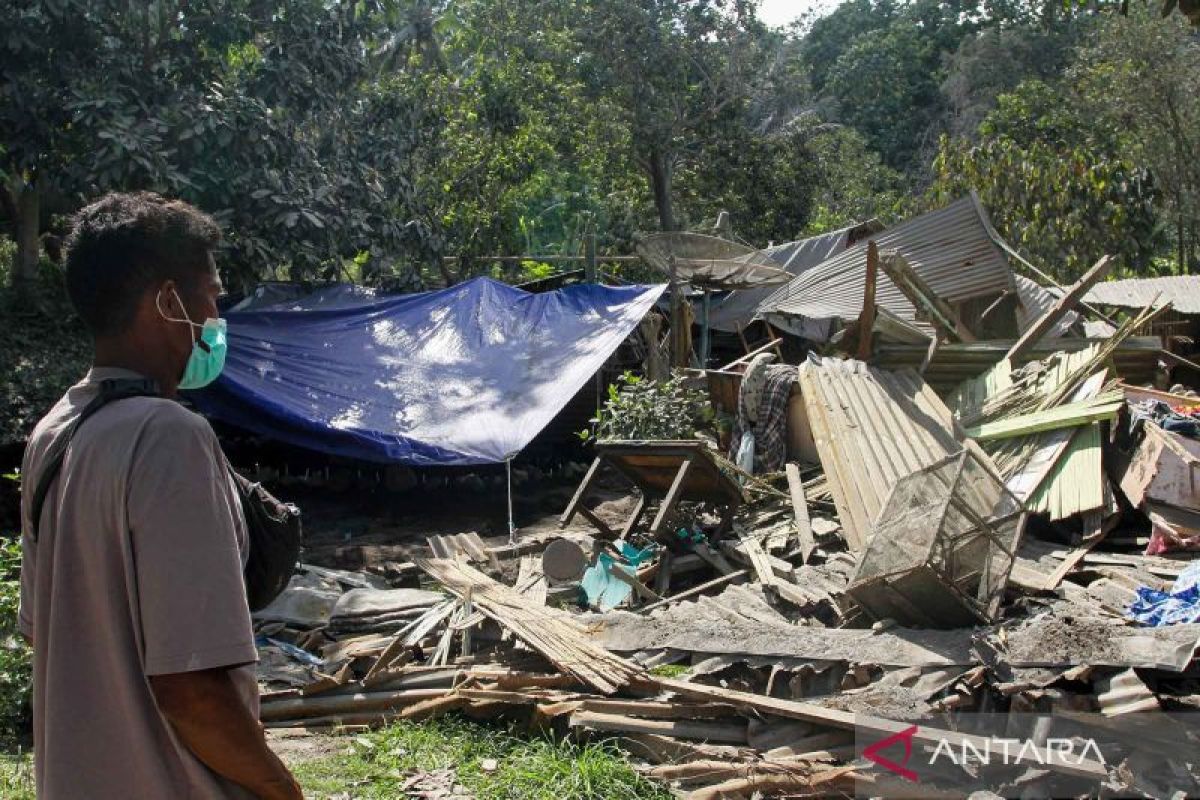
297,747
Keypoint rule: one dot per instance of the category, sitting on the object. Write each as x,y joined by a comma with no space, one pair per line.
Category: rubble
927,556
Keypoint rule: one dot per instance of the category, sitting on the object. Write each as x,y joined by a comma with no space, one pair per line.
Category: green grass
16,777
670,670
526,768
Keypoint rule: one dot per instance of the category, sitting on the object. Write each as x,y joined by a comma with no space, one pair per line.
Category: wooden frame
665,471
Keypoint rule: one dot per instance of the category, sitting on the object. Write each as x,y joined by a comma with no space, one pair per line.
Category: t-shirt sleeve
184,519
28,559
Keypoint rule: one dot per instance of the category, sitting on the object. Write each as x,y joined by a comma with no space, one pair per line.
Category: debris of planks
552,633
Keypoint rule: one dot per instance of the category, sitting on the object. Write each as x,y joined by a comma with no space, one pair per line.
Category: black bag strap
110,390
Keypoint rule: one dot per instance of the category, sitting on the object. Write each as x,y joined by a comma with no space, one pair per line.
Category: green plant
16,663
641,409
491,763
16,776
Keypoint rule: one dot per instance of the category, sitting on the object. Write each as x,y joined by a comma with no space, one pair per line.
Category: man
131,583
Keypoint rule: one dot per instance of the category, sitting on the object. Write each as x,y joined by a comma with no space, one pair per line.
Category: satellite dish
711,264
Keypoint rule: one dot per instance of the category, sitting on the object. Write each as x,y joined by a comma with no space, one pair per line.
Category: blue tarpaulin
461,376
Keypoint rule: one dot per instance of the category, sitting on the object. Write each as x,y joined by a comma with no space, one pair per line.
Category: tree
885,82
1056,184
996,59
831,35
852,182
1138,76
669,68
259,112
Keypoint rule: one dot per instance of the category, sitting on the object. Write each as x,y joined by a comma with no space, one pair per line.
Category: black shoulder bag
272,525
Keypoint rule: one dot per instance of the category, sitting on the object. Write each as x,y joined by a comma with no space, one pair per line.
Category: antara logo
871,752
963,750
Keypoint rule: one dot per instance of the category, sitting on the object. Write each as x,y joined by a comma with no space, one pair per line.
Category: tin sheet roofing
952,249
1182,290
737,309
872,427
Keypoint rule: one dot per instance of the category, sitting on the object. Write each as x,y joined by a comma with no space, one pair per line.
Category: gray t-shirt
137,571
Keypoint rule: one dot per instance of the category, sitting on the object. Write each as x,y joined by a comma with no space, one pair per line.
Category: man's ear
168,300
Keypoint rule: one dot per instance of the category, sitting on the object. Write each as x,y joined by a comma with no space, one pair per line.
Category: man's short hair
124,243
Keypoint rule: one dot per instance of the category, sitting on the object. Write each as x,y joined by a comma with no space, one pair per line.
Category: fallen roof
466,375
737,309
1182,291
871,428
952,249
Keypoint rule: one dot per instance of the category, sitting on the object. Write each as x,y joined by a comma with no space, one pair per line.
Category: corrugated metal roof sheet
1136,358
872,427
736,309
951,249
1182,290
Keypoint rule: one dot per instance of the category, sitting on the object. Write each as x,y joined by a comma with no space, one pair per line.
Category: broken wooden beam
836,718
804,532
866,319
719,732
923,298
695,590
330,704
1069,300
551,632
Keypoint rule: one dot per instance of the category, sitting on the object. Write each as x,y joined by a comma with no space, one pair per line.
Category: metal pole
704,334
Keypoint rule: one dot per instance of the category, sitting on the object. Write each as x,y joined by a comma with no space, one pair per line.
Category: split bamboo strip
552,633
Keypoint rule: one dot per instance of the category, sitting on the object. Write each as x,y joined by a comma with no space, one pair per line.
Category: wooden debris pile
923,564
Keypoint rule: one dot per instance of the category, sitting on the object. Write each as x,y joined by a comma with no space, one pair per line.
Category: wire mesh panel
941,548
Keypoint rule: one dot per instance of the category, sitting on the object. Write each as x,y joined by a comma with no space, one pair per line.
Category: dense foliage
16,667
370,139
400,141
637,408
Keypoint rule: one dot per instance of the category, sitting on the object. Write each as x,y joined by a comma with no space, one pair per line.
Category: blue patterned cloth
1179,606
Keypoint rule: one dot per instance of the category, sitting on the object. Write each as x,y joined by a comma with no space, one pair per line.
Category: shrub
642,409
16,659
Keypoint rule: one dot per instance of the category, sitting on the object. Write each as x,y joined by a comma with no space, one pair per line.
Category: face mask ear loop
186,318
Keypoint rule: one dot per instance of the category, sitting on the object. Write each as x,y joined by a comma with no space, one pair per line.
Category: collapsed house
959,517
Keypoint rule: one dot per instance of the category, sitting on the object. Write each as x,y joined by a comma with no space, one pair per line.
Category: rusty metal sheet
952,249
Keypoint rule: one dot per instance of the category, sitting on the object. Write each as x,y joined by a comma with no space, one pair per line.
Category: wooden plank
804,532
1068,415
326,704
668,503
577,499
758,560
712,558
1064,304
923,298
720,732
866,319
600,524
666,565
695,590
847,720
634,518
774,342
1075,556
639,588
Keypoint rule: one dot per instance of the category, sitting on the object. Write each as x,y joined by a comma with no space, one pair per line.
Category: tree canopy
372,139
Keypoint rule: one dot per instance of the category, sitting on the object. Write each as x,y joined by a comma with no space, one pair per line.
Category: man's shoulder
161,416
